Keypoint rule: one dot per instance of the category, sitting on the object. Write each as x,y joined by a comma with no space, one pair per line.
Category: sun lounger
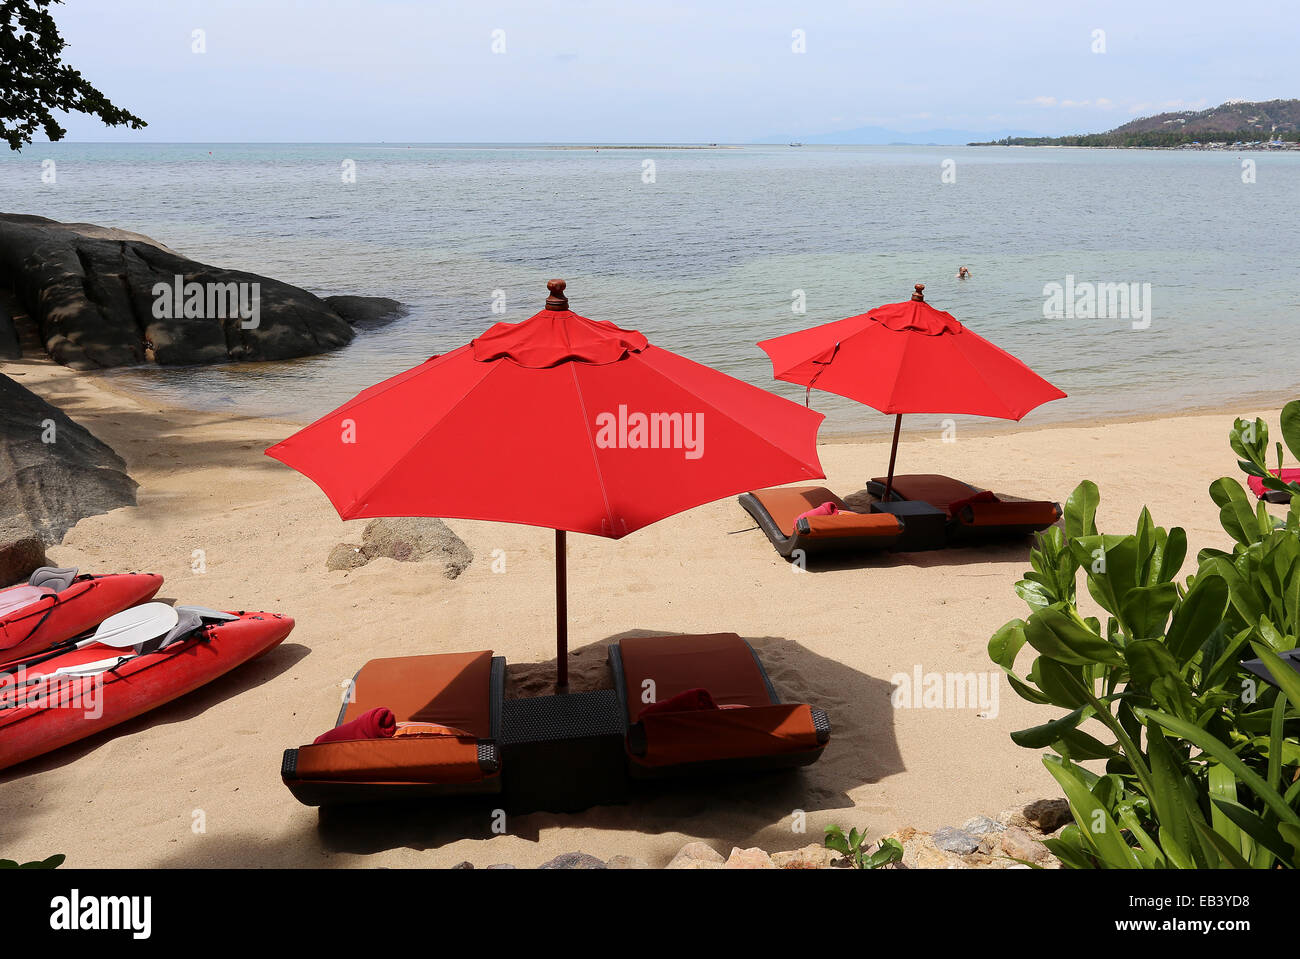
973,514
1257,486
763,733
775,510
459,690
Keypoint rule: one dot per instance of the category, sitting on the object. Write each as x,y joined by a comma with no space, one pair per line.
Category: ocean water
706,259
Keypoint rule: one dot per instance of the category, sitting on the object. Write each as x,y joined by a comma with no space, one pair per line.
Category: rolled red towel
377,723
826,509
684,702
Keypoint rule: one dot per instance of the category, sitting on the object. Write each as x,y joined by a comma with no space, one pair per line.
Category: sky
662,71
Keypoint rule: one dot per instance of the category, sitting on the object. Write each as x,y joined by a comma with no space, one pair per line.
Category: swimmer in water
962,273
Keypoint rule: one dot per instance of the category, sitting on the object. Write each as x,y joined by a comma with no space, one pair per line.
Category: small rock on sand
752,858
982,826
807,857
627,862
697,855
955,841
1019,844
574,860
1048,815
345,556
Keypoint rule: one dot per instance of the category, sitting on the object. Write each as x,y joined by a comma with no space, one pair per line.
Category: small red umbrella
558,421
909,358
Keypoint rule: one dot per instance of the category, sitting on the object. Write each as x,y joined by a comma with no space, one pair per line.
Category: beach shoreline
835,637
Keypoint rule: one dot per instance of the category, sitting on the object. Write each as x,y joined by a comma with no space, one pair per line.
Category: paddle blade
136,625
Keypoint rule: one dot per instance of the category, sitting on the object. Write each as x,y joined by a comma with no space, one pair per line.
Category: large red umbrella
909,358
558,421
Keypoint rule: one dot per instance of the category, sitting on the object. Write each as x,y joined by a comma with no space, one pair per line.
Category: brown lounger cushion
446,688
937,490
719,662
786,503
444,759
720,734
1009,513
945,493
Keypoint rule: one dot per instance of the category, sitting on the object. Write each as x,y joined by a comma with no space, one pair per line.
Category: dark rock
46,487
21,552
416,539
91,291
1048,815
9,348
956,841
366,312
464,864
574,860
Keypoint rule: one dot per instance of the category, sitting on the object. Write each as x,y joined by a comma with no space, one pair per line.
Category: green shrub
853,847
1200,760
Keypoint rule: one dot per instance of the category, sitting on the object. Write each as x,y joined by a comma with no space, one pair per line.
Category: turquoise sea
707,256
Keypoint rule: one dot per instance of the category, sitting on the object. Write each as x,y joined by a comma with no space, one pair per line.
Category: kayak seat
777,512
53,577
463,691
750,730
973,513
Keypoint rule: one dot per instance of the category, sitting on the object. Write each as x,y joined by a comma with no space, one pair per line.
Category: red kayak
46,714
33,618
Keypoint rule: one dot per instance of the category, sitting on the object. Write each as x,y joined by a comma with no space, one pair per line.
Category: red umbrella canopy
910,358
560,422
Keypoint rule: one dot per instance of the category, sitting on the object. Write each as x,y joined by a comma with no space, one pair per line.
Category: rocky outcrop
407,539
366,312
21,553
103,298
53,472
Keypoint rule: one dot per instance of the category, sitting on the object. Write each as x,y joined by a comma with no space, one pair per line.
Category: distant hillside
1230,122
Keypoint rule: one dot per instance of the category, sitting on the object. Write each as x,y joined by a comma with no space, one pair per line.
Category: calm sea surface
706,259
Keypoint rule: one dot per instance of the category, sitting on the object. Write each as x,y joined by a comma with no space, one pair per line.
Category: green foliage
853,847
34,81
1200,763
54,862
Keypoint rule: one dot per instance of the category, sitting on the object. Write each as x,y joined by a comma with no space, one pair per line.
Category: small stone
345,556
574,860
752,858
982,826
807,857
463,865
956,841
627,862
502,865
1019,844
696,852
1048,815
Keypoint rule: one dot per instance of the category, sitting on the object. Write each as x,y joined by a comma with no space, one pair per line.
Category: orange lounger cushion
786,503
720,734
442,759
459,693
722,663
759,733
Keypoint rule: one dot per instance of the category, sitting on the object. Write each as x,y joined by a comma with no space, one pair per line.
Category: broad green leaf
1055,634
1081,510
1096,825
1197,617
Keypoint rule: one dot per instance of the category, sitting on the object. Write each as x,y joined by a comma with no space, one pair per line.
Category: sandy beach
833,636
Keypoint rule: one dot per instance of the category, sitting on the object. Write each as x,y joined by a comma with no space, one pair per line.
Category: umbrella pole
561,612
893,454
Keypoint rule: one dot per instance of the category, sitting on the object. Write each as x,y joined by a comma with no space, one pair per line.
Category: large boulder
53,472
407,539
104,297
21,553
366,312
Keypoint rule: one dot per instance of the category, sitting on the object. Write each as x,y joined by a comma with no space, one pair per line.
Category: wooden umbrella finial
919,295
557,300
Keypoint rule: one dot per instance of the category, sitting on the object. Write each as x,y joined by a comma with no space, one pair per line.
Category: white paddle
122,630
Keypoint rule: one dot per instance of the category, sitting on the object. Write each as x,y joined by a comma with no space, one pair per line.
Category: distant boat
796,144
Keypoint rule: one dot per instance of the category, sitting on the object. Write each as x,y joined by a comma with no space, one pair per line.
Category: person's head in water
962,272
